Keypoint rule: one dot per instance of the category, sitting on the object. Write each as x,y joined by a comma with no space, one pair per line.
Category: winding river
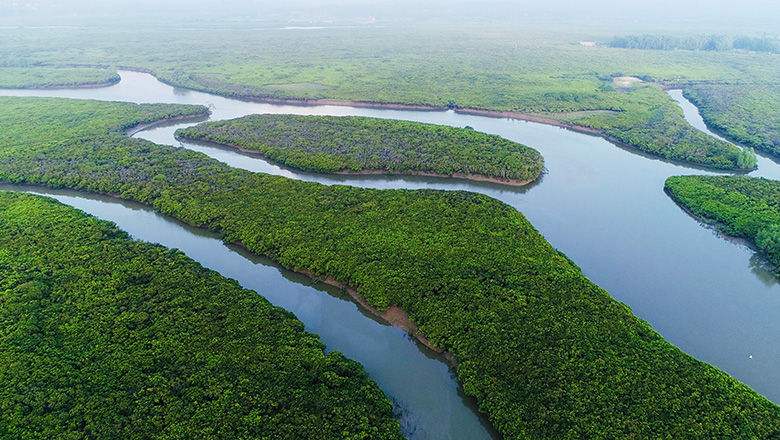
602,205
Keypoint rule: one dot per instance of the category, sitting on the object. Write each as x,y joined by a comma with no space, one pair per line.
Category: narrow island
102,336
546,353
745,207
360,145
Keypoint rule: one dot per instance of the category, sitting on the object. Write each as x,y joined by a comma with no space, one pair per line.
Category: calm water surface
602,205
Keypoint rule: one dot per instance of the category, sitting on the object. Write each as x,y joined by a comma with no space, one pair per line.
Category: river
602,205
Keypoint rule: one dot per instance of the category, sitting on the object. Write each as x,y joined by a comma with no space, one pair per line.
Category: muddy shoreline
394,315
715,226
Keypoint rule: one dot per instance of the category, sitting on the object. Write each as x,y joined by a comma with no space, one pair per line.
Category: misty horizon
755,17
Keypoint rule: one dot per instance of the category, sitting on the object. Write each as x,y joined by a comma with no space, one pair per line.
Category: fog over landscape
757,15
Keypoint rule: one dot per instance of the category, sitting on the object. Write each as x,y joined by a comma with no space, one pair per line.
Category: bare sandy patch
626,81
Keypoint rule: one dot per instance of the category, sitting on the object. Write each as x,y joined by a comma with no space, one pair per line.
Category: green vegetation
654,124
105,337
329,144
535,72
698,42
738,206
43,77
747,113
546,353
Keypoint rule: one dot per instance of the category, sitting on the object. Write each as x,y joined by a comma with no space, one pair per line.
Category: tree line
719,43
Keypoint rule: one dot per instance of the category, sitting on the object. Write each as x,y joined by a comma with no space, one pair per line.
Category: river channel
602,205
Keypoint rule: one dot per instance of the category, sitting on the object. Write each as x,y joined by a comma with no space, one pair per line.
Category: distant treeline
330,144
718,43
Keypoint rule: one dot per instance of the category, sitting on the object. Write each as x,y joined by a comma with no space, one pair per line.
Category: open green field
540,73
105,337
352,144
546,353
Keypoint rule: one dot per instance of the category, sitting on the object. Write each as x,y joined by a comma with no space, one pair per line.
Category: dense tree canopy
43,77
103,337
329,144
699,42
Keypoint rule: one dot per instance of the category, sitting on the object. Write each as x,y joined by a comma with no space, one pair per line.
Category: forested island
546,353
738,206
362,145
105,337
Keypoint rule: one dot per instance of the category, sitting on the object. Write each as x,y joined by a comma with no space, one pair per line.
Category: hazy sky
763,14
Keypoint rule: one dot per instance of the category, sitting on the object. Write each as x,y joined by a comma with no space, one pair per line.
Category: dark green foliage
747,113
547,353
42,77
701,42
739,206
329,144
103,337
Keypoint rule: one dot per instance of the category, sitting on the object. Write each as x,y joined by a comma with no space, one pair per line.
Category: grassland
105,337
352,144
546,353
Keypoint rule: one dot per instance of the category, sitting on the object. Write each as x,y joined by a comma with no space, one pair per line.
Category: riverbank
713,225
131,351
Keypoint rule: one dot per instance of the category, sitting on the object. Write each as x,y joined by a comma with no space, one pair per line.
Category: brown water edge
393,315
